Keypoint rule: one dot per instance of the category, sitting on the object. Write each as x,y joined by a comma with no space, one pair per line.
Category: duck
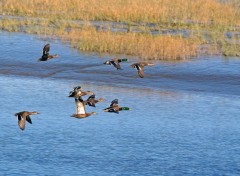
140,67
24,116
91,101
115,62
114,107
46,56
81,111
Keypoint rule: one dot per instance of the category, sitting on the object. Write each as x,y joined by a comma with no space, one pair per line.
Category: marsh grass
150,11
57,18
144,46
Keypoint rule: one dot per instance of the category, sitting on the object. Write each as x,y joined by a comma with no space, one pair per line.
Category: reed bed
144,46
148,11
57,18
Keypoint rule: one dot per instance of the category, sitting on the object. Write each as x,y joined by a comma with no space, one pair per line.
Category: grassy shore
45,17
150,11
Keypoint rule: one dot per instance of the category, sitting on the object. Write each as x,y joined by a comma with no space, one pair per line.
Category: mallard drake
115,62
140,67
81,111
23,117
115,108
46,56
91,101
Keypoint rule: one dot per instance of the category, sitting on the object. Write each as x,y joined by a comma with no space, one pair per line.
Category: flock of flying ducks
78,92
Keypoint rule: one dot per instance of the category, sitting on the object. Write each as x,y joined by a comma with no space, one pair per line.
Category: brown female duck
140,67
91,101
23,117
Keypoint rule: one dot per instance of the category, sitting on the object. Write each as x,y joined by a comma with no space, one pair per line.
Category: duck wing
75,93
28,119
91,101
140,71
21,121
77,88
114,103
19,116
142,64
91,104
133,65
91,97
22,124
116,64
71,94
46,49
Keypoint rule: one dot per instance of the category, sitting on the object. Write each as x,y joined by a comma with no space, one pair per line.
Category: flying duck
115,62
140,67
81,111
23,117
115,108
46,56
91,101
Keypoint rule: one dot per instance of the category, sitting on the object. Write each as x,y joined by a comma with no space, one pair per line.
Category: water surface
184,118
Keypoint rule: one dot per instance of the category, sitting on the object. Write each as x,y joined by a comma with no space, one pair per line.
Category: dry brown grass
141,45
157,11
53,19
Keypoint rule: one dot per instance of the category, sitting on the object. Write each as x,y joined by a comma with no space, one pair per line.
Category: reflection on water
180,123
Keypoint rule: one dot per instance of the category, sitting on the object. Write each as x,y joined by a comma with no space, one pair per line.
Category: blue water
184,118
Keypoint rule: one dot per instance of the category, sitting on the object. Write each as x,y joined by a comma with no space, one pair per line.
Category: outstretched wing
28,119
91,101
116,64
21,121
141,73
71,94
137,66
77,88
107,62
46,49
75,93
114,102
91,97
142,64
140,69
